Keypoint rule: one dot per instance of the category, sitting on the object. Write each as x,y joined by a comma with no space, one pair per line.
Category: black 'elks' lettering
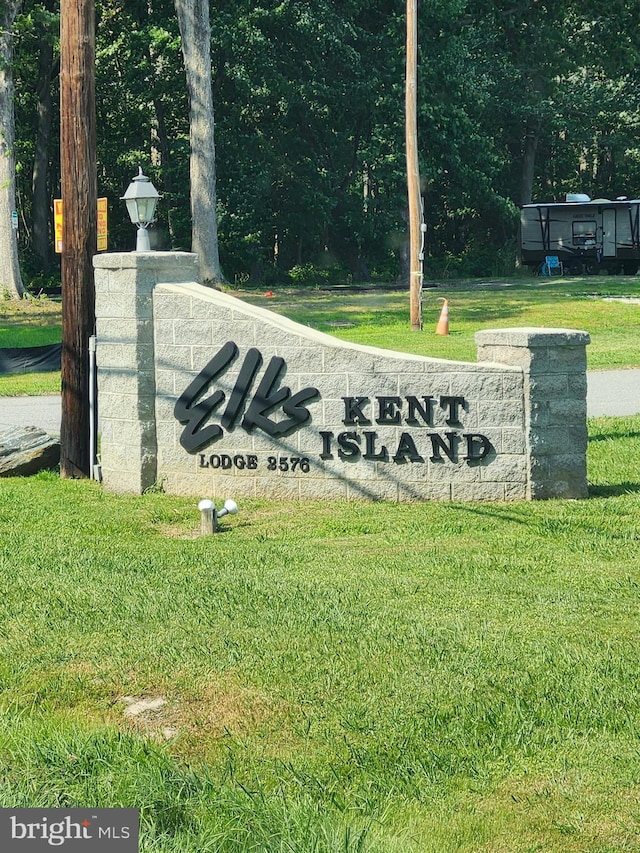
267,398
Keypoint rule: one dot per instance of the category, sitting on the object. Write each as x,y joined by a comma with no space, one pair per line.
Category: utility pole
79,195
413,172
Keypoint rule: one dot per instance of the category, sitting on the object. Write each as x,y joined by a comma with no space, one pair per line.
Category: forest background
516,101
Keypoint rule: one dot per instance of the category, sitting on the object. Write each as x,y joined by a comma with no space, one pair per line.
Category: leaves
309,108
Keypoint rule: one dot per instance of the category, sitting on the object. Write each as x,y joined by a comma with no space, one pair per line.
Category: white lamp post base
142,241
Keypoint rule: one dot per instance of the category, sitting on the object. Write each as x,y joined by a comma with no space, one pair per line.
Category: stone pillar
554,362
125,360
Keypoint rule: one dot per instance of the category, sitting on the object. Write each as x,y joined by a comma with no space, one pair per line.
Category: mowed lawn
29,323
334,676
601,305
605,306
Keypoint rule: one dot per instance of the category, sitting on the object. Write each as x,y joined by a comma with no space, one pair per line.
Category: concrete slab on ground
613,393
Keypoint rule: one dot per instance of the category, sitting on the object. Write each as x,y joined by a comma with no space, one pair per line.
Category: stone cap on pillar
532,337
186,261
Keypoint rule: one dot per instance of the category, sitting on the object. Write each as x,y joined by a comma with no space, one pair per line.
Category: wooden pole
79,194
413,173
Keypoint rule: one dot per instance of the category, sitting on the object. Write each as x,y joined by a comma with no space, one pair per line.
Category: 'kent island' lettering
252,410
392,411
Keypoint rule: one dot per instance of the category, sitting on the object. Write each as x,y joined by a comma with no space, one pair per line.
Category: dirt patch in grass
198,721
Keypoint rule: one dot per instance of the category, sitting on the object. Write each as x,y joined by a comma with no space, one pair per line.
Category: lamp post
141,199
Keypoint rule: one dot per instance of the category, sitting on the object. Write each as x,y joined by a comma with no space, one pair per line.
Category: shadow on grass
614,491
607,436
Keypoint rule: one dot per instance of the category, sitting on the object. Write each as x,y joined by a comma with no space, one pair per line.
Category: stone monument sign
207,395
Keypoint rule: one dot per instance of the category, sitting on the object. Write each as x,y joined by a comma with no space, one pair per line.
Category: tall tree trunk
79,192
532,135
10,279
41,238
163,153
195,30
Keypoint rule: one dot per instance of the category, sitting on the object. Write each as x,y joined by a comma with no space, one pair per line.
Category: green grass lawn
339,677
336,677
381,318
30,323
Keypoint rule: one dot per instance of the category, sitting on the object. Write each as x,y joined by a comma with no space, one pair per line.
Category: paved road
610,392
43,412
613,392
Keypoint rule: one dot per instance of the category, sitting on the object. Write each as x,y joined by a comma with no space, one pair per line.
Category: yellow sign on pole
57,223
101,223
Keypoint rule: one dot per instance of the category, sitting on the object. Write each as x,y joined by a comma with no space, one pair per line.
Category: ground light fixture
141,199
210,515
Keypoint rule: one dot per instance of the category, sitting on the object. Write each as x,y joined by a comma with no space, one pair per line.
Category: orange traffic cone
443,323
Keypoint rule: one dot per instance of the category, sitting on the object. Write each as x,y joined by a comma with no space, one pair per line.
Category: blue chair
552,266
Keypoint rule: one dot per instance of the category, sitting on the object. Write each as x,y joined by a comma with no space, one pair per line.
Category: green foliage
313,274
309,107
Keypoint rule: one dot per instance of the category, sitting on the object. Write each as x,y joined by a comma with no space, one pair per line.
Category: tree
527,50
11,279
195,30
309,135
514,100
40,174
36,68
143,115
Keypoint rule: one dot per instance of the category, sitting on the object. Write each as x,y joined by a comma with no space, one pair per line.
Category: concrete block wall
212,397
125,361
554,362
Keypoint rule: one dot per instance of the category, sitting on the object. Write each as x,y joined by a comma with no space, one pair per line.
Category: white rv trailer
588,236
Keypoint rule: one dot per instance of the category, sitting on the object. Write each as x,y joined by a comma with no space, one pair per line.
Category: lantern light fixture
141,199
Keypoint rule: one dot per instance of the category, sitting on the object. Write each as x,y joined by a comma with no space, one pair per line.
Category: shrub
305,274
